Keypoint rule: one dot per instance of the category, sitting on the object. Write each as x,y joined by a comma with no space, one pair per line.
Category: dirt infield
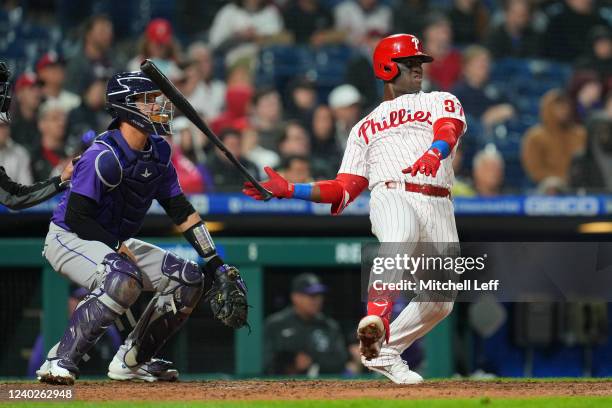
301,390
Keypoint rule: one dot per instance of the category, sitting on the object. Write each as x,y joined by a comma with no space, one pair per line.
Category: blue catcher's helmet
132,97
5,96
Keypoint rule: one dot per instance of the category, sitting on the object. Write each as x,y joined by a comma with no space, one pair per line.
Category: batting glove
428,164
276,184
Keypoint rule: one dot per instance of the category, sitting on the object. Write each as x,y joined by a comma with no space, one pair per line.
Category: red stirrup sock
383,309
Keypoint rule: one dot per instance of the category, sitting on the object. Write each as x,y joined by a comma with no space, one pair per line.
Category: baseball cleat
154,370
371,333
398,372
51,373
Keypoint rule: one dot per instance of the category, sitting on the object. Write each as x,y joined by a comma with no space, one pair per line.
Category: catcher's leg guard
121,287
179,292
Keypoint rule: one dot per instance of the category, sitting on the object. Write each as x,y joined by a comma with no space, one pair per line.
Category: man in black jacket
14,195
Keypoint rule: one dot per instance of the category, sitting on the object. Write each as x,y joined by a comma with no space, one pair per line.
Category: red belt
425,189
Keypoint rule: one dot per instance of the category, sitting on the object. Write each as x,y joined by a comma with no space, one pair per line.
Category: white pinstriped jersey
395,134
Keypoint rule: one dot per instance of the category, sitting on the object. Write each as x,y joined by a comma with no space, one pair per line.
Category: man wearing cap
94,59
51,70
345,102
157,44
27,98
300,339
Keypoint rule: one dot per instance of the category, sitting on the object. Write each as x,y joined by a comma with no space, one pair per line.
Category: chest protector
132,180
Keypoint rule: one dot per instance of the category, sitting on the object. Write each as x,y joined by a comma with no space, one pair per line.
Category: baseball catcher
13,195
90,241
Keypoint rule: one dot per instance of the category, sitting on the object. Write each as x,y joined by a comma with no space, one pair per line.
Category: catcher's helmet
5,97
124,90
395,47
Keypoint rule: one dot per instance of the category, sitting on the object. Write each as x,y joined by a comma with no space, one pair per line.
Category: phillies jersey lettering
396,134
396,118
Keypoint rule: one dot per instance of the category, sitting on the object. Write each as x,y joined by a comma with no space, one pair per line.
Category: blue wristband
442,146
302,191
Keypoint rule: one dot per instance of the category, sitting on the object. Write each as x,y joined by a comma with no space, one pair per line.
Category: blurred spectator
294,141
302,99
239,74
51,72
208,97
90,114
586,92
345,102
189,139
94,59
462,186
266,115
488,172
592,170
566,35
24,128
224,174
552,186
158,44
409,16
296,169
470,21
358,17
254,152
548,148
445,70
324,146
190,178
514,37
14,157
50,153
311,23
360,68
187,80
598,57
245,22
300,339
237,99
478,97
607,110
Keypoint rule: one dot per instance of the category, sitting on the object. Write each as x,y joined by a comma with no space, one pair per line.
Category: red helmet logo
393,47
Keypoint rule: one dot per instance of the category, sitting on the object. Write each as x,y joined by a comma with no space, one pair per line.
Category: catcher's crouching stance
90,242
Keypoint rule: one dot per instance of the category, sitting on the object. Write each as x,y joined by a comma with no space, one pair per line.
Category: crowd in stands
534,78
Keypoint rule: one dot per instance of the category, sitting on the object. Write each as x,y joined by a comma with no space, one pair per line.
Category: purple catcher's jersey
124,182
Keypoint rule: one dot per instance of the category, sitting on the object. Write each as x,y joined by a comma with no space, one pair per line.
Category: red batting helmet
395,47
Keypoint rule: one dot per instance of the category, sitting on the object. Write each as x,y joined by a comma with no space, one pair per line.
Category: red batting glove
428,164
276,184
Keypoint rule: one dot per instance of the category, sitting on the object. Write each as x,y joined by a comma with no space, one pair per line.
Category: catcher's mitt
228,297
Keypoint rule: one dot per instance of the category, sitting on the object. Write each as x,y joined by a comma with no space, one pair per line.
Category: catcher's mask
134,98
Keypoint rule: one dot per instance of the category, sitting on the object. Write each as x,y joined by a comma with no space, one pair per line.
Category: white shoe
151,371
371,333
51,373
398,372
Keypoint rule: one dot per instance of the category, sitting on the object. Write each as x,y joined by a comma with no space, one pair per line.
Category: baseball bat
179,100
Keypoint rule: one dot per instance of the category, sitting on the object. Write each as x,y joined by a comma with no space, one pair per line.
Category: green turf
565,402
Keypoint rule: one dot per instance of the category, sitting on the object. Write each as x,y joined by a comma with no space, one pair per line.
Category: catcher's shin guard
179,292
121,287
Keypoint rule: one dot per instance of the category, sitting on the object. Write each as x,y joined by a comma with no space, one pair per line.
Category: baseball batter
402,151
90,241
